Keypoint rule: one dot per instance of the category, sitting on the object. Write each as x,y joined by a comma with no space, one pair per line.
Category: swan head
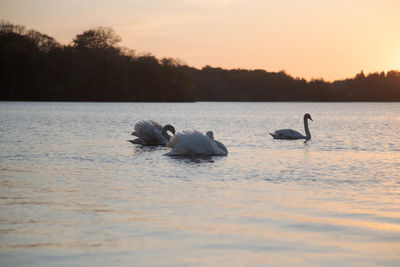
168,128
210,135
307,116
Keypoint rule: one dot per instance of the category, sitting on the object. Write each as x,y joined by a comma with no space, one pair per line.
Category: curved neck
165,133
308,134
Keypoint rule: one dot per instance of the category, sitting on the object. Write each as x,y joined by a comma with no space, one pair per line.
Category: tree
34,66
97,38
7,27
43,42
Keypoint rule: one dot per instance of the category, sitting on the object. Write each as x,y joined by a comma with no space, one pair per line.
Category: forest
35,67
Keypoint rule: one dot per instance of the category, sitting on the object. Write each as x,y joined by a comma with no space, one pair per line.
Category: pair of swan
194,143
188,143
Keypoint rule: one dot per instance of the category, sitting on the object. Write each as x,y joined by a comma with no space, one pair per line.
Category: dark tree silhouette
96,38
34,66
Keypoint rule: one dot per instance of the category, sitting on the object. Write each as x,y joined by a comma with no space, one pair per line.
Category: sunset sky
332,39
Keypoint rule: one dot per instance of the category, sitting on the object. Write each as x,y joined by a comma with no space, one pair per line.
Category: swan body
150,133
194,143
290,134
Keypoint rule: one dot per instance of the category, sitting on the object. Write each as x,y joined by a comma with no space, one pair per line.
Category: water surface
74,192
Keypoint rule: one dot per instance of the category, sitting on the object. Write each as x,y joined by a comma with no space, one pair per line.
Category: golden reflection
268,223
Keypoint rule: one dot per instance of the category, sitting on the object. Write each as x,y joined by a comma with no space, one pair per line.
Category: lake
74,192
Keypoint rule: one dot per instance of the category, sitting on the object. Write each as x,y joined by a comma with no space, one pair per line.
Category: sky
329,39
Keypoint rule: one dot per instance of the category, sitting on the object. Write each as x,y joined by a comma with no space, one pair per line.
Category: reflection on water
194,159
74,191
138,149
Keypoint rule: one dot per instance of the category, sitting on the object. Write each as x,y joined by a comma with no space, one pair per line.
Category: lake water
74,192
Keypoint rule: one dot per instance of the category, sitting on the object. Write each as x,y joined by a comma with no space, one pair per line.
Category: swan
151,133
194,143
290,134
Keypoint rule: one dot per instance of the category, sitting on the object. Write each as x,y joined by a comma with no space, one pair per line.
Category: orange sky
332,39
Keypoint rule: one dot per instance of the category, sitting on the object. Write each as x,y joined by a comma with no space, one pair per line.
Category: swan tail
136,141
274,135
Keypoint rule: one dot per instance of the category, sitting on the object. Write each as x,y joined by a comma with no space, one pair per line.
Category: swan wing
156,125
287,134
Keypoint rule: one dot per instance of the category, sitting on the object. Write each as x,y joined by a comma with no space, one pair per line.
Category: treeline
34,66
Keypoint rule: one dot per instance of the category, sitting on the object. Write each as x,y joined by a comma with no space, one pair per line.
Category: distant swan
194,143
150,133
290,134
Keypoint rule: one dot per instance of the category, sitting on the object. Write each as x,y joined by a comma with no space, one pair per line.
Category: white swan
194,143
150,133
290,134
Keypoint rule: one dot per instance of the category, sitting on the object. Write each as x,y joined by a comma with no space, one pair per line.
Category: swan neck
308,134
165,130
165,134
